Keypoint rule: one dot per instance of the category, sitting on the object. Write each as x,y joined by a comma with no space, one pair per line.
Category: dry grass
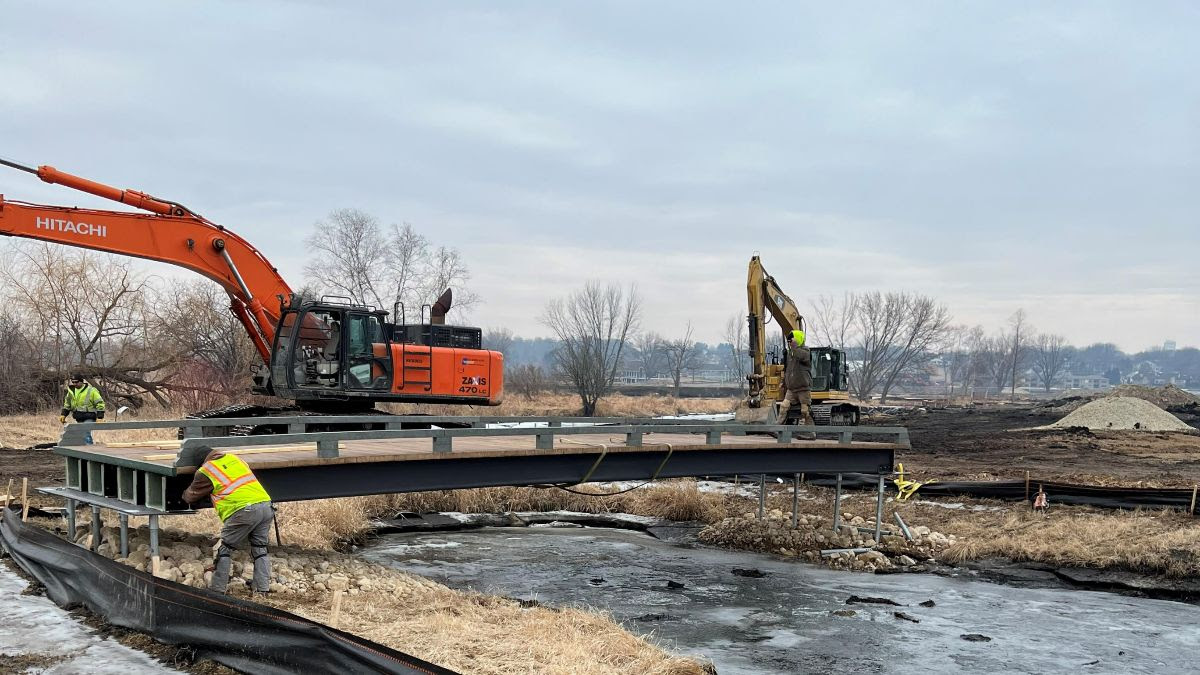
672,500
475,633
24,431
1165,543
466,631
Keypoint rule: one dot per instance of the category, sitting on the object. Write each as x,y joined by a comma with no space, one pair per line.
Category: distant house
1147,373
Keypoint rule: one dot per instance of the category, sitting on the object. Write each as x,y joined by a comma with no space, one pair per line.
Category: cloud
993,156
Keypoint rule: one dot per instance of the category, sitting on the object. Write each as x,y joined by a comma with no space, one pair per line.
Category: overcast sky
996,156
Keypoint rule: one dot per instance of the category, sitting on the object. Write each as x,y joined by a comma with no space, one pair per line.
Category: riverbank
461,630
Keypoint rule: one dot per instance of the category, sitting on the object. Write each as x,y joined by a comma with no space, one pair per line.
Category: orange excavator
330,356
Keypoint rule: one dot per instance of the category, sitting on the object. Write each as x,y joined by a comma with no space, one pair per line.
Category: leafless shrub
680,356
528,380
592,325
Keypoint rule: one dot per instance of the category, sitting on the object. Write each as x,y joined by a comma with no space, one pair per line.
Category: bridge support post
837,505
879,511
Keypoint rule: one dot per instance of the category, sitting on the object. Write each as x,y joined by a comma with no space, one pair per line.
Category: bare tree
737,359
897,333
446,269
19,386
963,360
498,339
90,313
1049,358
994,361
832,321
354,256
593,325
196,317
1018,346
650,356
350,255
956,357
680,356
406,260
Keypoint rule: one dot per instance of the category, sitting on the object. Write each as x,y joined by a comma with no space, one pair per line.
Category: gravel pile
1122,412
1167,398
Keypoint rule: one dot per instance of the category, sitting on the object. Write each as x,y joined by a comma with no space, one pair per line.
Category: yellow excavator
830,398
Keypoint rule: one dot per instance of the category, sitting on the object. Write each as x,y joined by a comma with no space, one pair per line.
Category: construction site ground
994,442
1151,551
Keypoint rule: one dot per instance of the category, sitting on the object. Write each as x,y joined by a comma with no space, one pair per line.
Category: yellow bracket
906,488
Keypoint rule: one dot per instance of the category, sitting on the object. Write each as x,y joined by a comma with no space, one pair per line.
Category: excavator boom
328,355
763,294
170,234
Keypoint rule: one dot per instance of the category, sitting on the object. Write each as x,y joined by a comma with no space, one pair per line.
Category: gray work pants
800,398
250,523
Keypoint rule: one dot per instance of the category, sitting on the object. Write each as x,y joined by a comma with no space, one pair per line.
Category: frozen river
783,622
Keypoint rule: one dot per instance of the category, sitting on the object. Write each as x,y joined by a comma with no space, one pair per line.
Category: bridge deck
162,455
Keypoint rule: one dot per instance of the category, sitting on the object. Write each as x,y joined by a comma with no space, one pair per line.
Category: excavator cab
830,371
330,350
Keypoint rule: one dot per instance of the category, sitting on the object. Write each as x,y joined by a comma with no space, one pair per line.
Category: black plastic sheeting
242,635
1014,490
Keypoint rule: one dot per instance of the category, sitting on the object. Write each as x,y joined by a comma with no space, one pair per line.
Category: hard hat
798,337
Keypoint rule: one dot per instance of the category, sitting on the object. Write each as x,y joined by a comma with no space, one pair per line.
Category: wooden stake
1192,510
336,613
1026,486
24,500
155,565
8,493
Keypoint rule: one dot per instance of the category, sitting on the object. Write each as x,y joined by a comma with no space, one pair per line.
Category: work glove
62,419
99,420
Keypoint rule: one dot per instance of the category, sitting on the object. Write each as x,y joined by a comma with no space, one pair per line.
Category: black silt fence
242,635
1015,490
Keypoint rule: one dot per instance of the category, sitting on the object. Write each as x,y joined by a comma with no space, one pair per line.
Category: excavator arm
764,295
170,233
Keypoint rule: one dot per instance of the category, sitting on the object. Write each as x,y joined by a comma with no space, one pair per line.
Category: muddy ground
993,443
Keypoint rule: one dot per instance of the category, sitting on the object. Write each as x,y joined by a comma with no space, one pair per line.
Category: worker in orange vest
245,511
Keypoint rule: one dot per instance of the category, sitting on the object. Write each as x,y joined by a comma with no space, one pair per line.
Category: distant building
1072,381
631,376
1169,346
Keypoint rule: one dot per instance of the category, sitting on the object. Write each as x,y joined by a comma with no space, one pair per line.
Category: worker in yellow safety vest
245,511
83,402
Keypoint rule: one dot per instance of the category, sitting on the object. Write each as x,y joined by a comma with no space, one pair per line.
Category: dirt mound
1122,412
1163,397
1169,397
